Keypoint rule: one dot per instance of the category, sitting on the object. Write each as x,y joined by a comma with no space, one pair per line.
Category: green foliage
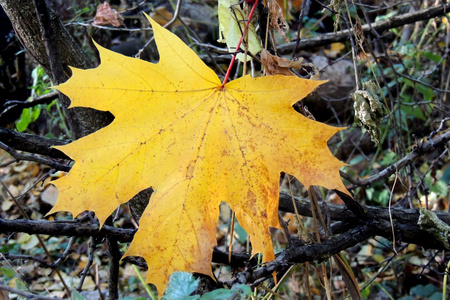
240,291
53,111
41,84
420,291
12,278
182,284
7,272
77,296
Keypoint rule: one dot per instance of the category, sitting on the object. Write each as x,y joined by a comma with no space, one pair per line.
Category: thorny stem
250,15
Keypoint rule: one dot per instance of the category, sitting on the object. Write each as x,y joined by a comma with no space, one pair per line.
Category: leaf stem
247,23
142,280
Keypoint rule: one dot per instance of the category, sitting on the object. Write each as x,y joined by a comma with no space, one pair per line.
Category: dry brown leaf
274,65
277,20
107,16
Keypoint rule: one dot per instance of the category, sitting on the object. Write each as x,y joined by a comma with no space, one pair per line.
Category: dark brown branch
114,268
405,222
33,157
9,256
315,252
32,143
13,109
341,213
63,228
393,22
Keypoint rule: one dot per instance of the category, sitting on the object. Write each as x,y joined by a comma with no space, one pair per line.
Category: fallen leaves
197,143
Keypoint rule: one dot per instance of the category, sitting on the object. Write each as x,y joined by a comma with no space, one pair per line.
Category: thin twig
13,107
123,29
10,256
25,294
406,160
65,254
86,268
393,22
41,241
33,157
176,14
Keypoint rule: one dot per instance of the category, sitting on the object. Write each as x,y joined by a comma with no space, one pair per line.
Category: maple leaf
197,143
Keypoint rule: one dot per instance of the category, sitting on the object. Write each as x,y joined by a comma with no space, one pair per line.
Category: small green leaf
35,113
20,284
24,121
240,291
77,296
28,115
242,234
7,271
423,291
426,91
431,56
181,285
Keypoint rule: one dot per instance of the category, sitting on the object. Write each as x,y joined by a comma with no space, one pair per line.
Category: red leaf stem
250,15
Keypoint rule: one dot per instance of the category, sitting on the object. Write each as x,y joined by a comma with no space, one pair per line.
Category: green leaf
20,284
77,296
28,115
242,234
240,291
431,56
7,271
35,113
423,291
181,285
24,121
426,91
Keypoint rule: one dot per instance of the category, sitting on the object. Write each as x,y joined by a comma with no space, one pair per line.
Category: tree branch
315,252
32,143
27,295
33,157
393,22
13,108
408,159
405,224
26,25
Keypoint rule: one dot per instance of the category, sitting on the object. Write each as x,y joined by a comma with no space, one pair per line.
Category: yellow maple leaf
197,143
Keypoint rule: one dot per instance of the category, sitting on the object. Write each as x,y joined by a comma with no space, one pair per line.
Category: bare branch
32,143
393,22
25,294
34,157
408,159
